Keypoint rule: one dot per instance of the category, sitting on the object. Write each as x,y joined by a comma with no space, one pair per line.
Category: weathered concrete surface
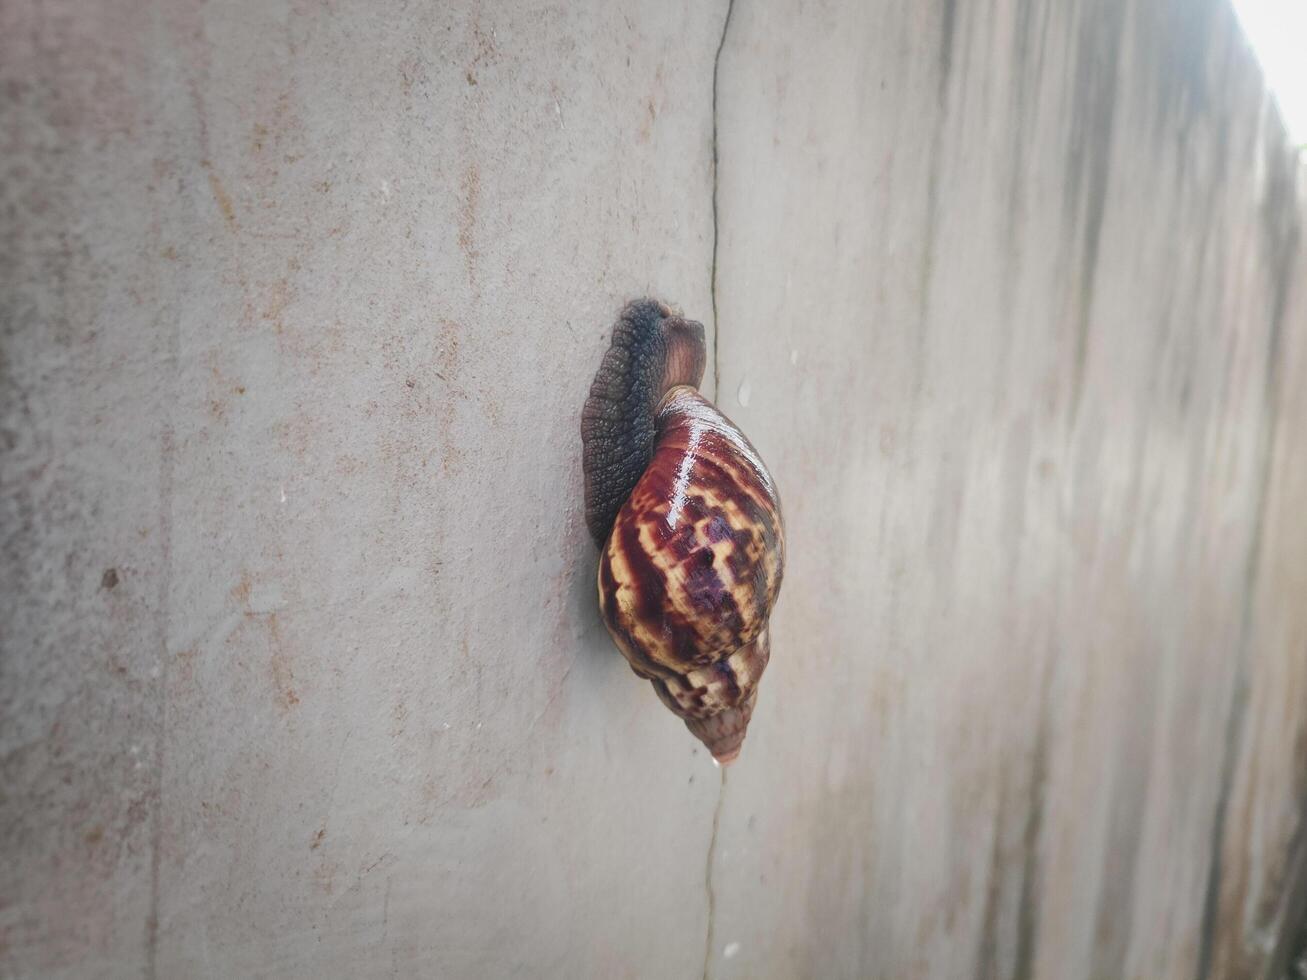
302,673
1027,372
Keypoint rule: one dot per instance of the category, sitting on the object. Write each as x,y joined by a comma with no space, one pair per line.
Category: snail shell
689,526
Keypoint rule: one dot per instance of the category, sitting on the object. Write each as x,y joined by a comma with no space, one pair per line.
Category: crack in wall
716,331
709,893
707,878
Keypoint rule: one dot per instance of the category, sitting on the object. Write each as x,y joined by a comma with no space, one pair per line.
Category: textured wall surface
301,668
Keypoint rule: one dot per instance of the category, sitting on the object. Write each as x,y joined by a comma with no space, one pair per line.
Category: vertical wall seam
716,234
709,892
707,877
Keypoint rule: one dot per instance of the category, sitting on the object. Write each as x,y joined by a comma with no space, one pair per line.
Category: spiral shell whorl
716,703
692,567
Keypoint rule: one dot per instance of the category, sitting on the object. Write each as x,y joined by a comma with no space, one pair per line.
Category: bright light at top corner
1277,31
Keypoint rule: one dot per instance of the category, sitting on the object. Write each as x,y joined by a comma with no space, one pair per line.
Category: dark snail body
688,521
652,351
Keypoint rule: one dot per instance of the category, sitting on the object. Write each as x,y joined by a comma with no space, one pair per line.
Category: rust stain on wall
223,200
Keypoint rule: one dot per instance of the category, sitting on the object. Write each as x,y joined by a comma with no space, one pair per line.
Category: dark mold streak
1179,35
1023,113
987,954
1093,117
948,28
948,31
1028,915
1281,238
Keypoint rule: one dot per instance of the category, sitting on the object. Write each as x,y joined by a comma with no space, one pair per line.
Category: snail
688,523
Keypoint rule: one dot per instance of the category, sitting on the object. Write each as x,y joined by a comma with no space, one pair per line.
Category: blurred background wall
302,673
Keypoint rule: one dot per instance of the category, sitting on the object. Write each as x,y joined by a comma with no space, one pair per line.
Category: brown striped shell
692,568
689,526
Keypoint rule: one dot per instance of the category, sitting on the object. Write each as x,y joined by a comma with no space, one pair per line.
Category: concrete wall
302,674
